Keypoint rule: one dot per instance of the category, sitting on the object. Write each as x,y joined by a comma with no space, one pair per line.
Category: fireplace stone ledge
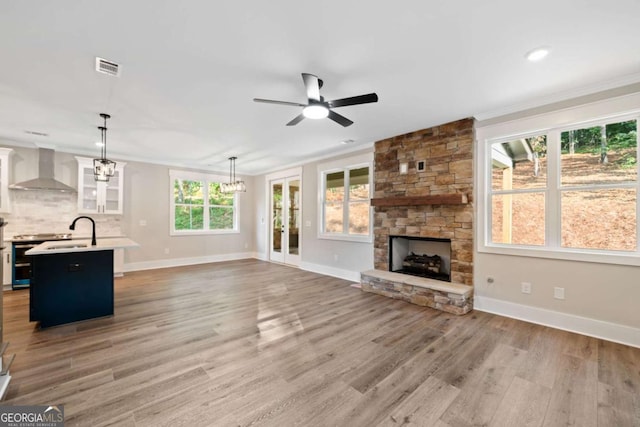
452,298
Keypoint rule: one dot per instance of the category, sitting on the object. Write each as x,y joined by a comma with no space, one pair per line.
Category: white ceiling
191,68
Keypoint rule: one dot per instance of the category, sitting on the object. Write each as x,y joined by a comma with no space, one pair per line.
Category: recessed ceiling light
537,54
347,141
99,143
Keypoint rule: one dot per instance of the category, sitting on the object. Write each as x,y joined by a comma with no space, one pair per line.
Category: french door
285,200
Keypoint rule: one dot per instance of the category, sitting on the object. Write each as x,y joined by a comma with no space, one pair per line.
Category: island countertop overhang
102,244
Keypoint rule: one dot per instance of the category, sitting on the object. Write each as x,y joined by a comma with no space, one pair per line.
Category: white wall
332,257
146,198
601,298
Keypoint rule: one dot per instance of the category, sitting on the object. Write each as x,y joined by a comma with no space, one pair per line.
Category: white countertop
84,245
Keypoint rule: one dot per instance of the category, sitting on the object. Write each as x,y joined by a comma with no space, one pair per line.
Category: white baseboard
261,256
179,262
353,276
621,334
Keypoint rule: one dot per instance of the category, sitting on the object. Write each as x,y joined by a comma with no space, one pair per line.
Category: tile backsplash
40,211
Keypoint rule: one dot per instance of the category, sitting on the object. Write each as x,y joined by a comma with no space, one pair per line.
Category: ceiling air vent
107,67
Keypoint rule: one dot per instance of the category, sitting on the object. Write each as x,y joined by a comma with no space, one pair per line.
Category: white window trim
608,111
197,176
353,162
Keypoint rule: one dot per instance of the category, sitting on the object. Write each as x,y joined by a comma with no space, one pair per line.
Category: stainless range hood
45,179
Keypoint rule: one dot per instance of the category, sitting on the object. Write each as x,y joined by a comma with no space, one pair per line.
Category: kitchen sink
69,246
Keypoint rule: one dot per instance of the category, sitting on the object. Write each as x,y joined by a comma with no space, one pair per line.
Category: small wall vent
107,67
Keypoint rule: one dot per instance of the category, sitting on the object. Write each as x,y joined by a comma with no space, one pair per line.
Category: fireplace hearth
420,256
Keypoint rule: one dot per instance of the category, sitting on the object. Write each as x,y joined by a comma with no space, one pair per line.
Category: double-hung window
572,189
198,206
345,199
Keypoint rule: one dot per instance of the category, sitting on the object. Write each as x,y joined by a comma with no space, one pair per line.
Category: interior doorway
285,206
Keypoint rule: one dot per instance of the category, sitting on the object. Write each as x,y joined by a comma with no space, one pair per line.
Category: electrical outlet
526,287
336,257
143,223
166,251
558,293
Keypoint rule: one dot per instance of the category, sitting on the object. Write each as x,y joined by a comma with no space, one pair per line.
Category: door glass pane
276,227
294,216
599,219
334,197
599,154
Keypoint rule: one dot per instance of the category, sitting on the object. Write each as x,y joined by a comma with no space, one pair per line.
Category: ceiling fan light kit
317,107
315,111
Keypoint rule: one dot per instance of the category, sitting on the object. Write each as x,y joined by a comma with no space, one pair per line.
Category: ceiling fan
317,107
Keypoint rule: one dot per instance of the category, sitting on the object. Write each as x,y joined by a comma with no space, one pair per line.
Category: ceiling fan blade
312,85
296,120
354,100
271,101
339,119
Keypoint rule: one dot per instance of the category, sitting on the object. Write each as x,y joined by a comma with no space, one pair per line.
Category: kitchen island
72,280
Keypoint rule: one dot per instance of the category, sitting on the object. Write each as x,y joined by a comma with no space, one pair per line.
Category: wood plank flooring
249,343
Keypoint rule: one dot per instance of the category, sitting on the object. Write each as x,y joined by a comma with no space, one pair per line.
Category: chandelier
233,186
103,168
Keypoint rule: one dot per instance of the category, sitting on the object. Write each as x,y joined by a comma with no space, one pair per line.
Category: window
568,189
199,207
345,205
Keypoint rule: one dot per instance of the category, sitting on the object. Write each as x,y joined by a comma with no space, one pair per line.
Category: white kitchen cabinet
98,197
5,205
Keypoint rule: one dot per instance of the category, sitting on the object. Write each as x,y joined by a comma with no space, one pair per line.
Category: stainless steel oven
21,268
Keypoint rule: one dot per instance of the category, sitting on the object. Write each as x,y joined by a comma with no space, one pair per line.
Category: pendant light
234,186
103,168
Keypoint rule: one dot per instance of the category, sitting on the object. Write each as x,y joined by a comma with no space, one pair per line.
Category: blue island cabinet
71,286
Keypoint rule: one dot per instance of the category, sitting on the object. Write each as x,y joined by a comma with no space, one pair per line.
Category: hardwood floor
256,344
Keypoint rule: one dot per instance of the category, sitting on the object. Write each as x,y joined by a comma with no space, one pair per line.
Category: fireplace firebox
420,256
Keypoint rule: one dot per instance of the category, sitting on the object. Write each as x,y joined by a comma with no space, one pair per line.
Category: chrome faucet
93,228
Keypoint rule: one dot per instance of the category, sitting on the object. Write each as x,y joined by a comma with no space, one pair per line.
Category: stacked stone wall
447,152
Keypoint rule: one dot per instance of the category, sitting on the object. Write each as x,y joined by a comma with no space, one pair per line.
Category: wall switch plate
143,222
404,168
421,165
307,223
558,293
526,287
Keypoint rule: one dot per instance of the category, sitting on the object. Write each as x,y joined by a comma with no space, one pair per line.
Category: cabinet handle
8,260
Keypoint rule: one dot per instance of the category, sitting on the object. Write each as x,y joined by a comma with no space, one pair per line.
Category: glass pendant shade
234,185
103,168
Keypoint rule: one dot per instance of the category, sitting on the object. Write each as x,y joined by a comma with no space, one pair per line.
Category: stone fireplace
424,189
